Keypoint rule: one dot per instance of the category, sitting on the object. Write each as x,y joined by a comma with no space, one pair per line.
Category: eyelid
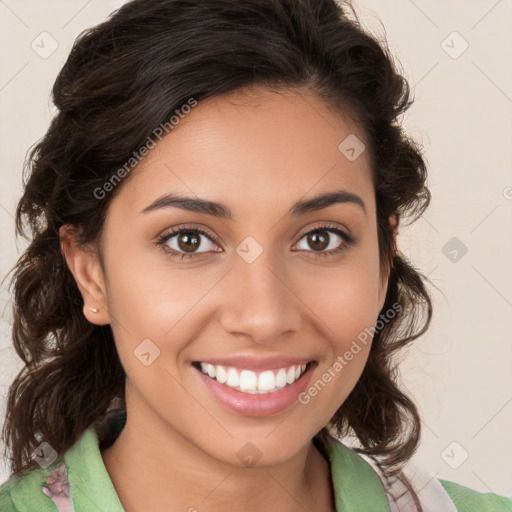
327,225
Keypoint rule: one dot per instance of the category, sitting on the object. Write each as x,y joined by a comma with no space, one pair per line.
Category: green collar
356,485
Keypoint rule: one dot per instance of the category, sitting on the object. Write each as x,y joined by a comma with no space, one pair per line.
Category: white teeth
281,378
248,381
233,379
221,374
211,370
266,381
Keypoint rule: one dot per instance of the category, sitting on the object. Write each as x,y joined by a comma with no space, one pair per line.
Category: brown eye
188,241
318,240
325,241
185,242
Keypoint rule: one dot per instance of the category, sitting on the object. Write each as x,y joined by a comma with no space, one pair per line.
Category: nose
260,301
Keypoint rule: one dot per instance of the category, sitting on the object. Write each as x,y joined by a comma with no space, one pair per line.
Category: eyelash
348,241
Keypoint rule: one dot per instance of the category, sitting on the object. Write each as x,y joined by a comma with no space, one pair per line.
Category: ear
393,221
84,264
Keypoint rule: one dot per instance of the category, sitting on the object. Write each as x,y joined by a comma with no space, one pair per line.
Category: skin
257,152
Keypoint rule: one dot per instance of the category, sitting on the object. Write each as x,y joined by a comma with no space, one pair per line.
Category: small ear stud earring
94,310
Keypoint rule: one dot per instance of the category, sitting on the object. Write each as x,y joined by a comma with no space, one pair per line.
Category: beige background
459,372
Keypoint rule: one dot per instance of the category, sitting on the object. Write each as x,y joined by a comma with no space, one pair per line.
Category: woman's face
255,298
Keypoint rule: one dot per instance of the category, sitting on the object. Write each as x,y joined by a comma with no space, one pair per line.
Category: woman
213,296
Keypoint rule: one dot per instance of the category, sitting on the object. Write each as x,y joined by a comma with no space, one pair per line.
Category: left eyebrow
325,200
222,211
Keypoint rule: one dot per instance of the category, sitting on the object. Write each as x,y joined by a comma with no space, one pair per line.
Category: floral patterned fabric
58,490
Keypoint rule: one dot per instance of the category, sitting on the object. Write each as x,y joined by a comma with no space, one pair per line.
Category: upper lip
256,363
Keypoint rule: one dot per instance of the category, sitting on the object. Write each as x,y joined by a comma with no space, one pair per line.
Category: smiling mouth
248,381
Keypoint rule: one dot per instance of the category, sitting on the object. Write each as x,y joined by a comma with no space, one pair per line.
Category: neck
164,471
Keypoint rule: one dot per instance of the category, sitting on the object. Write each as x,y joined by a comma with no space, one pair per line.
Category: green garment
357,487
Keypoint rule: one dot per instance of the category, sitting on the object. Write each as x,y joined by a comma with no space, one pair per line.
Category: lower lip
248,404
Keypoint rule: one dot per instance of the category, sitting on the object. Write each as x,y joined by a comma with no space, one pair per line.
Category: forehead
252,148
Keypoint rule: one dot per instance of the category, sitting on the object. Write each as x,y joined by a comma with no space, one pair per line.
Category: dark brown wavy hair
122,79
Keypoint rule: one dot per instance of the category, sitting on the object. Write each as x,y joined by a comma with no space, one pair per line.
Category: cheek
344,304
148,295
344,299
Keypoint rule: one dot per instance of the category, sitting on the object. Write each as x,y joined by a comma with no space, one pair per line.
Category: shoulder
469,500
363,476
6,503
40,488
80,467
